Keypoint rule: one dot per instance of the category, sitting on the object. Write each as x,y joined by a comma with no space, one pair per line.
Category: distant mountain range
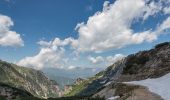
62,81
72,73
68,76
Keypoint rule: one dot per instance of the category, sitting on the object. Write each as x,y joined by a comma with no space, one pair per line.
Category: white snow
160,86
103,82
108,83
113,98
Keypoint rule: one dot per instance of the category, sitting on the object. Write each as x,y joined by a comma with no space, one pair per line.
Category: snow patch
113,98
103,82
160,86
108,83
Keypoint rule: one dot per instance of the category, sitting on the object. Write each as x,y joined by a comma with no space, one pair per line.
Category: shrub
162,44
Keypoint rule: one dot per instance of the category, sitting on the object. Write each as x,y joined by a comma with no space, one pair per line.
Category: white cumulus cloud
7,36
164,26
107,60
111,27
166,10
50,55
112,59
96,60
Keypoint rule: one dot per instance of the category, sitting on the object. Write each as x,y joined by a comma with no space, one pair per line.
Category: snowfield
160,86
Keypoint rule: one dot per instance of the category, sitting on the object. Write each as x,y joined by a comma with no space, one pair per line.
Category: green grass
76,89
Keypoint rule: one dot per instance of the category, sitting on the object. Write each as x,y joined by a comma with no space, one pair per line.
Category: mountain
71,73
61,80
111,82
27,79
68,76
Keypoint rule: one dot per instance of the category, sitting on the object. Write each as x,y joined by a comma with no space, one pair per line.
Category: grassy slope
76,89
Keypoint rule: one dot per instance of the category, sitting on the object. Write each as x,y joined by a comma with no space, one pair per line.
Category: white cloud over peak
47,57
8,37
106,60
111,28
115,58
71,67
96,60
50,55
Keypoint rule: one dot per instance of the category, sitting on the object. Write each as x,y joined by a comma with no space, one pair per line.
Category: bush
162,44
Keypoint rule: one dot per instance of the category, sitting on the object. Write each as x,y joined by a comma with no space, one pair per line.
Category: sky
69,34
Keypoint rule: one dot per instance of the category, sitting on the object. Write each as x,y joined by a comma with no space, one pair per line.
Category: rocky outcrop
78,81
153,63
67,88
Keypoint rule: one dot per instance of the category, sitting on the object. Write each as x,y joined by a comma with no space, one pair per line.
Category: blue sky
88,46
36,20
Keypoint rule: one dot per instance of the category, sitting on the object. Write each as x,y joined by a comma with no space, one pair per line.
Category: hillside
27,79
152,63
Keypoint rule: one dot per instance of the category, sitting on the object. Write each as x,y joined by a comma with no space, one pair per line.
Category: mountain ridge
31,80
146,64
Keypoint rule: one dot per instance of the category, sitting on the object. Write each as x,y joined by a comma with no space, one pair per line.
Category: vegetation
76,89
101,73
162,44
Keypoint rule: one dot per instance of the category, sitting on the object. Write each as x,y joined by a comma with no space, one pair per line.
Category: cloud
166,10
8,37
164,26
107,60
108,29
115,58
56,42
50,55
47,57
89,8
152,8
111,28
95,60
71,67
7,0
